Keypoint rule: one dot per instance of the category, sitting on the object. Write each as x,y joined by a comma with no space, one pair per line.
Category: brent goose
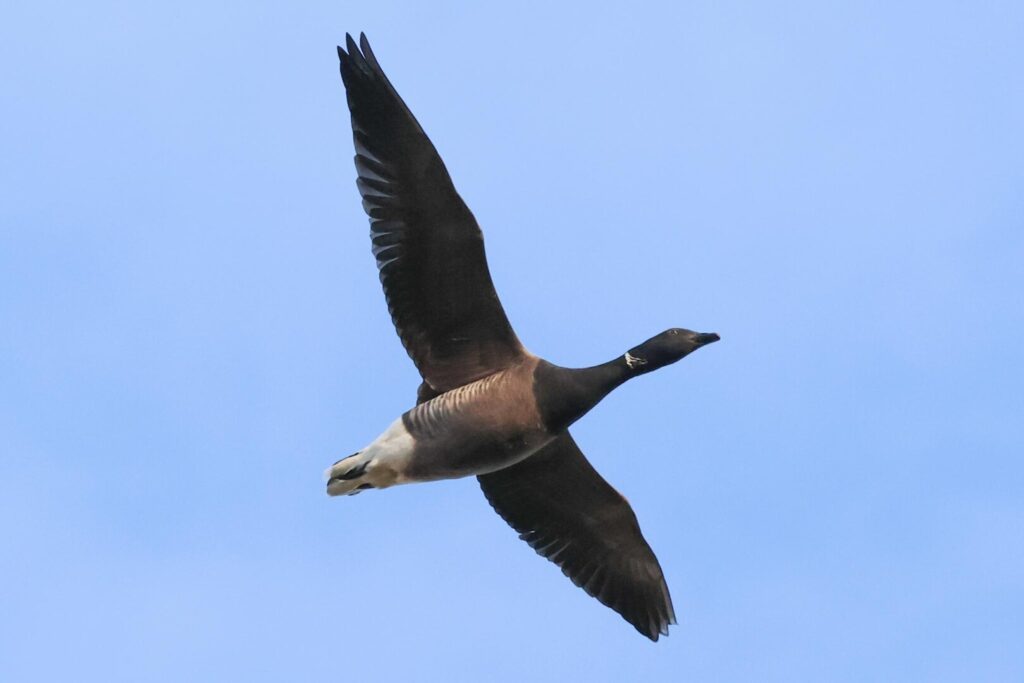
487,406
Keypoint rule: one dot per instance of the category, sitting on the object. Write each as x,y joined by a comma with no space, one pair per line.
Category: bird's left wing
569,514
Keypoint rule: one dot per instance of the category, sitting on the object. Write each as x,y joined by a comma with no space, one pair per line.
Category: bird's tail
346,477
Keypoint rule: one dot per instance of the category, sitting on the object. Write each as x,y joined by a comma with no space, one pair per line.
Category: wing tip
653,629
357,59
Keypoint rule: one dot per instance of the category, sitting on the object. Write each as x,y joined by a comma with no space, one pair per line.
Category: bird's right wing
429,249
569,514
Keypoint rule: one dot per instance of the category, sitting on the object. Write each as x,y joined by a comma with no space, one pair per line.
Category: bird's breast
478,428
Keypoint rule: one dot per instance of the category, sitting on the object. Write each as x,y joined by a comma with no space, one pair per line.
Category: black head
666,348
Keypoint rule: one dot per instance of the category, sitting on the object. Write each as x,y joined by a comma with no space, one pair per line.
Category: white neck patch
633,362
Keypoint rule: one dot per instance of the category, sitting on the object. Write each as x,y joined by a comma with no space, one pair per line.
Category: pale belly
399,457
470,453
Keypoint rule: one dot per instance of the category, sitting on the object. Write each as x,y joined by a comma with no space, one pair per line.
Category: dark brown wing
562,507
429,249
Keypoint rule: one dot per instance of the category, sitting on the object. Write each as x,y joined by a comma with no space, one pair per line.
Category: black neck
565,394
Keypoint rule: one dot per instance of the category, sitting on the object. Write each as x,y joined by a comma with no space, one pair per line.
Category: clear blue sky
191,329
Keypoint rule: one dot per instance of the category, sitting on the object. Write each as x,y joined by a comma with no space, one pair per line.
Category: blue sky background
191,329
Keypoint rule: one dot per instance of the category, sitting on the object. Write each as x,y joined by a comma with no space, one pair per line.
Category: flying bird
487,407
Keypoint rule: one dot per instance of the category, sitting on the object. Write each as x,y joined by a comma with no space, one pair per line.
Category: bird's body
487,406
467,431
